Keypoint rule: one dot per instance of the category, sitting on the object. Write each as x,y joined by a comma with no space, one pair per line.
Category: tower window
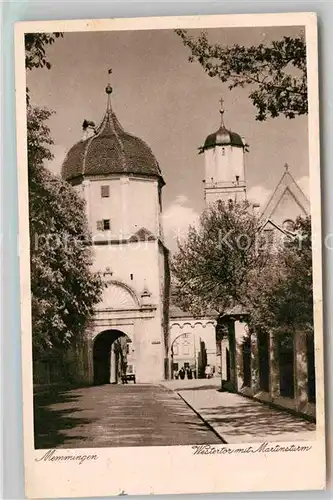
186,348
223,151
103,225
105,191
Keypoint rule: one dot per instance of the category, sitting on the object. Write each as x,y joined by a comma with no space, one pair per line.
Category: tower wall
132,203
137,265
224,174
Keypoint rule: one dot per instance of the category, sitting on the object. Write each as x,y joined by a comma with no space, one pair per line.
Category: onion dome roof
110,150
223,136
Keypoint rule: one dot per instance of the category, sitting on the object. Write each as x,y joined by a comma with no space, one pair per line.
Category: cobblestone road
116,415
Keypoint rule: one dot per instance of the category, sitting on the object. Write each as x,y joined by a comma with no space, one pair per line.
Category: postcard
170,255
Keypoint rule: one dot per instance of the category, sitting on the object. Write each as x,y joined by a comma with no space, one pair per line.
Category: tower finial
286,166
108,90
222,111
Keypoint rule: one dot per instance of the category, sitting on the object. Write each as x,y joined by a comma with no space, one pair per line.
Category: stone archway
108,360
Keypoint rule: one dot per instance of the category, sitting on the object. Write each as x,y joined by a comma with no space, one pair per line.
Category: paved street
116,415
238,419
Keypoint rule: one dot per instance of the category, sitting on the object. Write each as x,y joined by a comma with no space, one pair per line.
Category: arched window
186,348
175,349
288,225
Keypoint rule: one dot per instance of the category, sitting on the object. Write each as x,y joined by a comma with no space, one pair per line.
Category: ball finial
108,89
222,111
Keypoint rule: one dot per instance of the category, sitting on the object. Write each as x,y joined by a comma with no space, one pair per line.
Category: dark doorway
246,352
286,365
311,368
263,355
102,355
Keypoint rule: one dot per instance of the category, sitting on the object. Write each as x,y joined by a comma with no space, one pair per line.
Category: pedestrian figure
182,373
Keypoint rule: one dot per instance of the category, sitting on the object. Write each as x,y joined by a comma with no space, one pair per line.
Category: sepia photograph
171,238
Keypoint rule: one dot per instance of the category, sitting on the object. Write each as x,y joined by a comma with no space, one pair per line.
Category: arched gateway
110,356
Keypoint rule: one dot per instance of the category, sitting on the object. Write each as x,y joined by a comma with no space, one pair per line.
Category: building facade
120,180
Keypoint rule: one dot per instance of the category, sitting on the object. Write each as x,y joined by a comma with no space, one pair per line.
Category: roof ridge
289,185
123,157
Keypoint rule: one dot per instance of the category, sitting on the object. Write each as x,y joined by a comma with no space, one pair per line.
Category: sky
170,103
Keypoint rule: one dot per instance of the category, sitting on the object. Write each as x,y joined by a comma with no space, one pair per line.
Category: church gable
287,202
288,208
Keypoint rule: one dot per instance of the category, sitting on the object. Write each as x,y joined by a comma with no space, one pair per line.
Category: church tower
224,153
121,182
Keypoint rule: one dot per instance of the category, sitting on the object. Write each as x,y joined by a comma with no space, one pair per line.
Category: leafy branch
275,73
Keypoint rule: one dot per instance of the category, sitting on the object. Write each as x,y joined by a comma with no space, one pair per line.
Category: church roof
110,150
287,184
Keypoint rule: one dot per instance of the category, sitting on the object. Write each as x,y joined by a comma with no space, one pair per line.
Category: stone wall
66,367
287,379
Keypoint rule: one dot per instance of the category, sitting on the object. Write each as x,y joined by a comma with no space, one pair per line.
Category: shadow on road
53,416
195,388
255,420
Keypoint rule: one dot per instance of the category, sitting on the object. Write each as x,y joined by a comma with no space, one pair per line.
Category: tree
64,288
213,265
227,262
275,72
282,298
35,50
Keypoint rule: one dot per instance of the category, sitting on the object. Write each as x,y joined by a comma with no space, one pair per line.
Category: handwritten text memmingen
51,456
